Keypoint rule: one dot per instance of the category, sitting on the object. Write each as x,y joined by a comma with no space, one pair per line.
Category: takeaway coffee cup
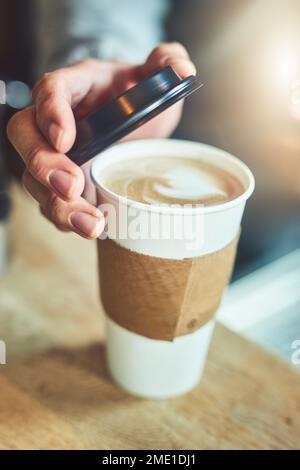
152,287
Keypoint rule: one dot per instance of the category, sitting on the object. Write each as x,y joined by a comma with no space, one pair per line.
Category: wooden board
55,390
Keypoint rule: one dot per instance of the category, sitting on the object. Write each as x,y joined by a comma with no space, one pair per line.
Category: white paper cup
155,368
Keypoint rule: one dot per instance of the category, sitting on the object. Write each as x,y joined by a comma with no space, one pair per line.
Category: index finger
169,53
54,170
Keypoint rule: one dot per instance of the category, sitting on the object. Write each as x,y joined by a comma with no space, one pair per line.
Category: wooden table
55,391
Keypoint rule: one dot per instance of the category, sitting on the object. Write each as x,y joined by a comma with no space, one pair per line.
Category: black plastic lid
129,111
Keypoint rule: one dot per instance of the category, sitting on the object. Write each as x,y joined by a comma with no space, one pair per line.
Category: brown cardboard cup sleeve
162,298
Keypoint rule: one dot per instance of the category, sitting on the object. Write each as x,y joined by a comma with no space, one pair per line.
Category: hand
43,133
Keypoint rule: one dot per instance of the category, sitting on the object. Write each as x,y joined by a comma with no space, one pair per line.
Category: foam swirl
170,180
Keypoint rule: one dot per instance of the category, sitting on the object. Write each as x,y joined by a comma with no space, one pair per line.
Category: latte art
170,180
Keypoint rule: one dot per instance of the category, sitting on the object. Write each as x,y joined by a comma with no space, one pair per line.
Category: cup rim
167,209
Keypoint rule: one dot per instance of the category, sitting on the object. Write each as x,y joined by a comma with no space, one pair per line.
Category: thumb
55,96
54,115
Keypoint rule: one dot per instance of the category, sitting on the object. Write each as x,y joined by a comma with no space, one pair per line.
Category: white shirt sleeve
71,30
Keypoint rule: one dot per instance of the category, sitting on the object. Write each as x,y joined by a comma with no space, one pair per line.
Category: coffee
171,180
157,270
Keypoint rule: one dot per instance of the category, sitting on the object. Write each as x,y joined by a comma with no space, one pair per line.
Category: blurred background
247,53
248,56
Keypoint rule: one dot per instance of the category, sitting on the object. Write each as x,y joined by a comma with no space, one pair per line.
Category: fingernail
56,134
164,60
86,224
62,182
183,67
